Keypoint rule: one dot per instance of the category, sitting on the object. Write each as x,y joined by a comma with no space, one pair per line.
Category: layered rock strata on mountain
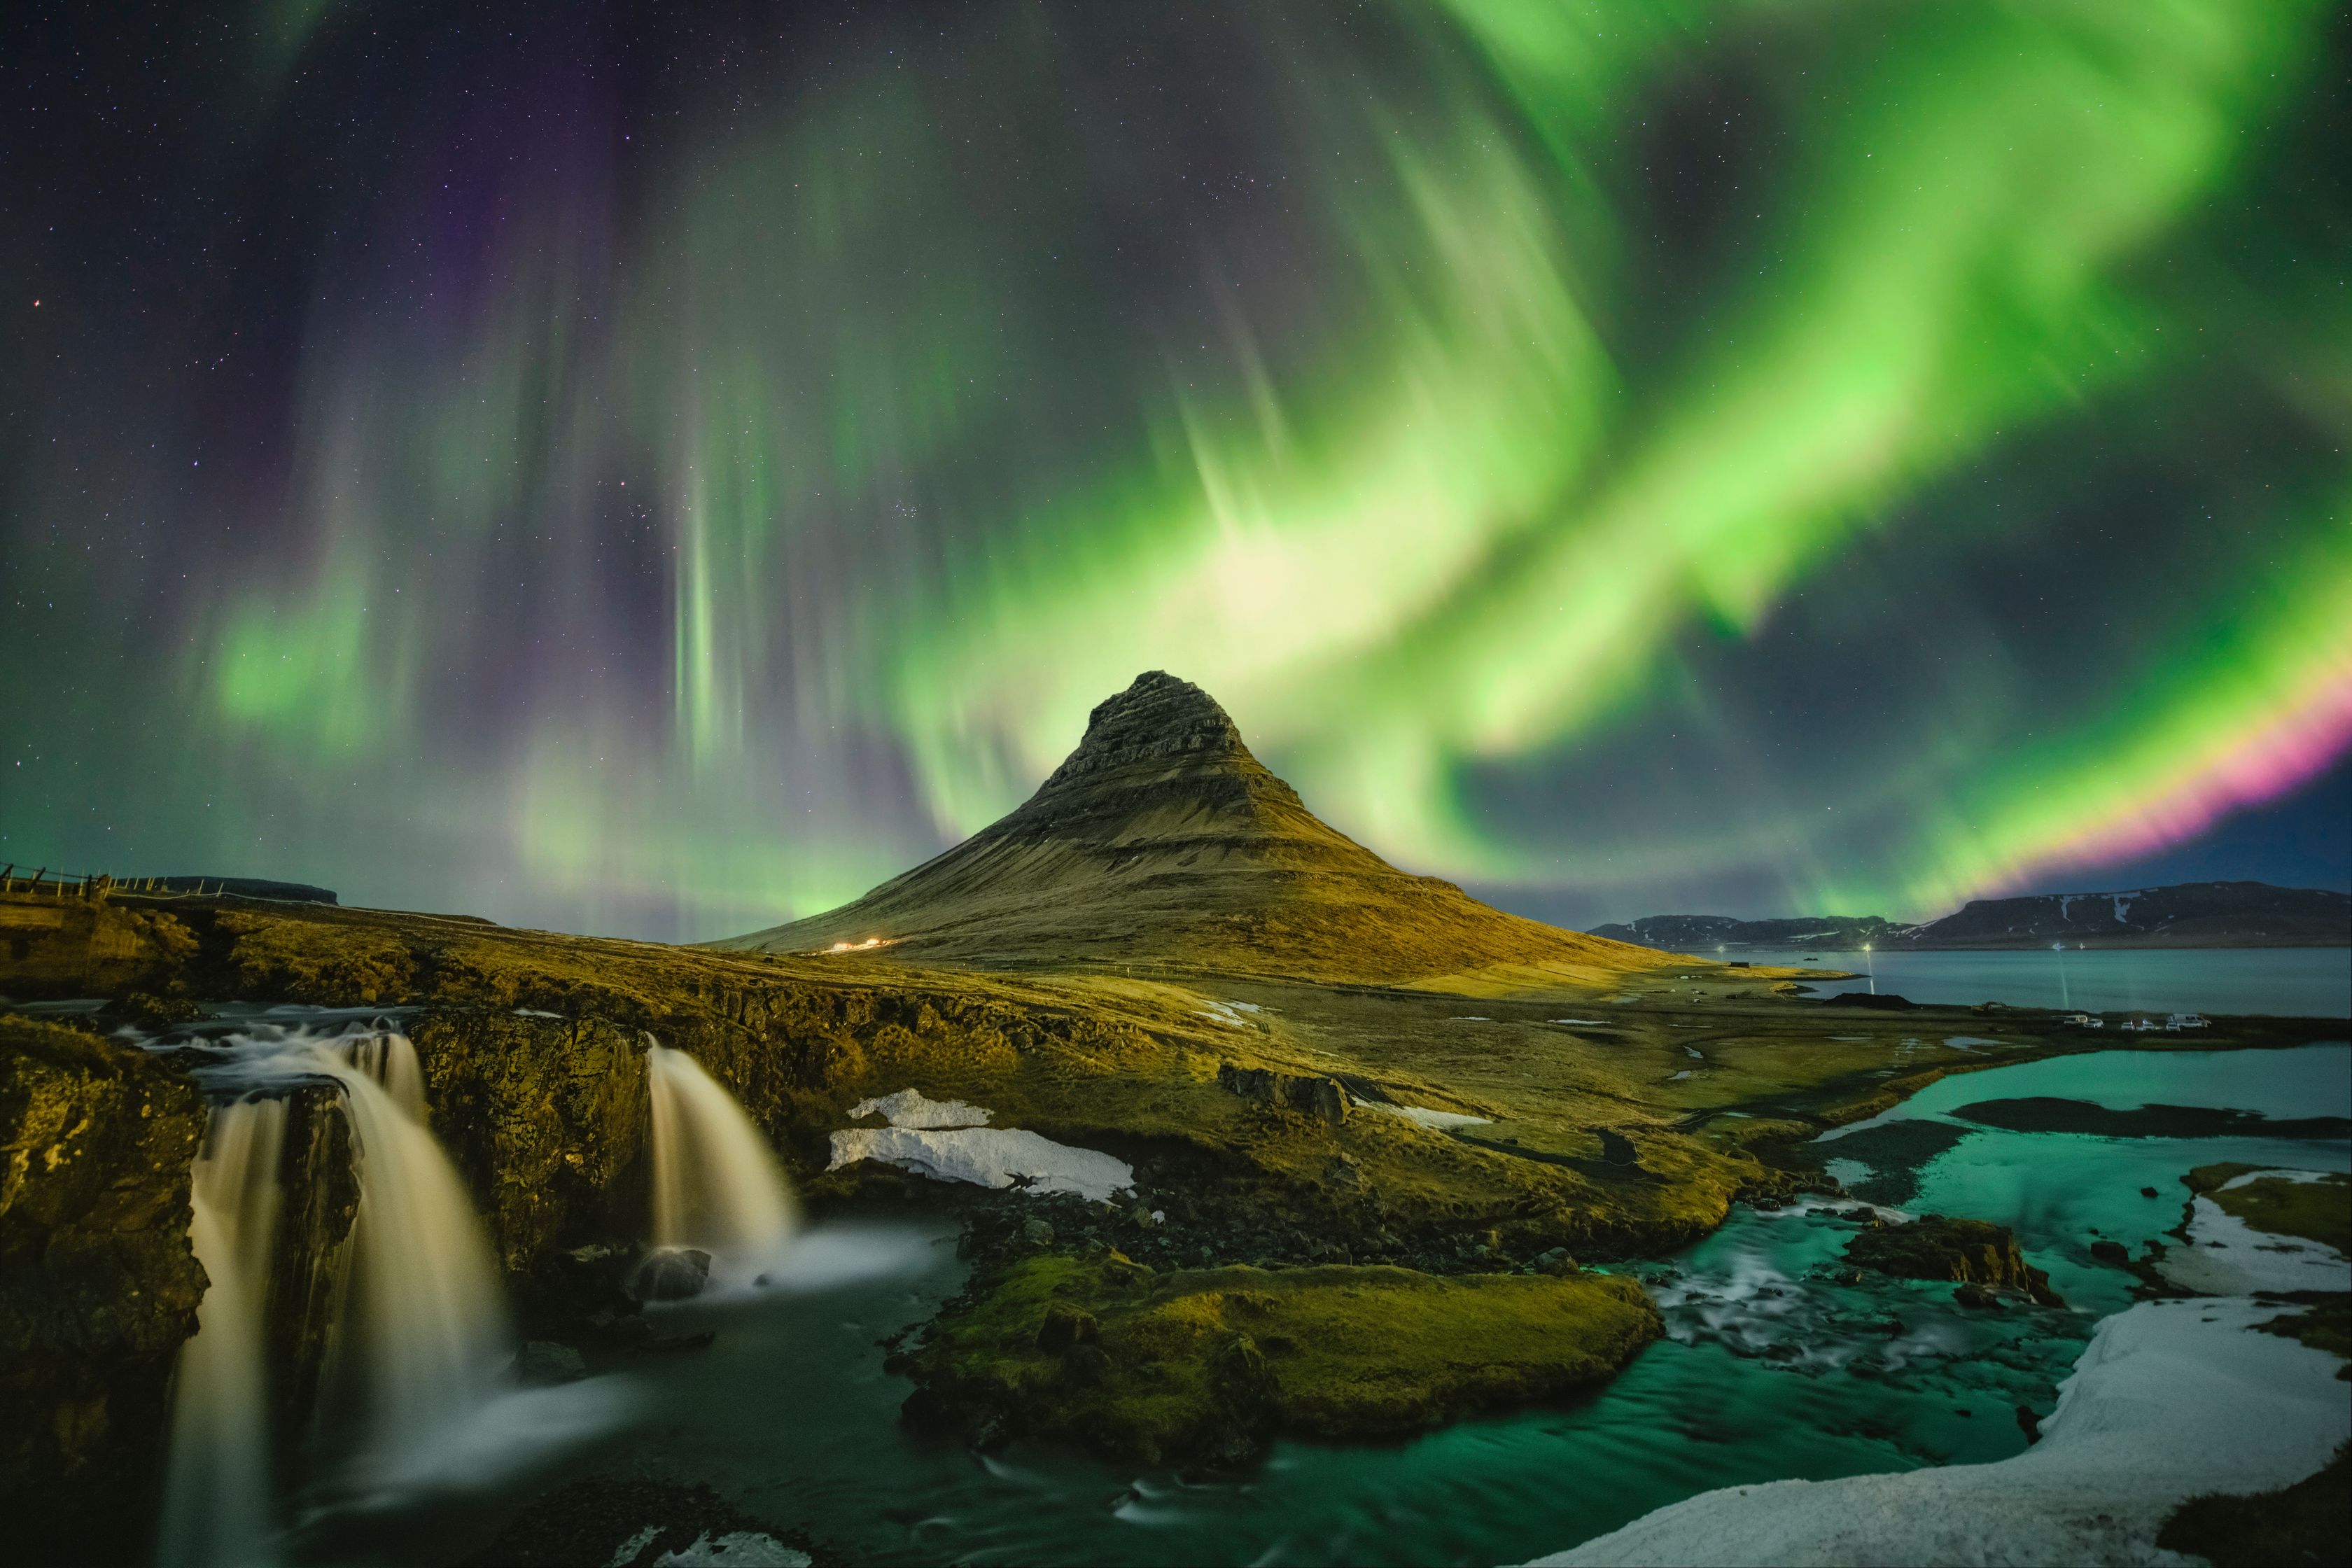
98,1286
1162,839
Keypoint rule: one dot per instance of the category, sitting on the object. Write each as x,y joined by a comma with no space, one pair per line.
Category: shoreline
2170,1400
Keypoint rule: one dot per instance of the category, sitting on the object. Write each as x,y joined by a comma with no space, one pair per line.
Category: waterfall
717,1185
390,1058
218,1511
417,1336
420,1331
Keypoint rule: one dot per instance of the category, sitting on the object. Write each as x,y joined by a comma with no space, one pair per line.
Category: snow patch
2227,1256
911,1107
986,1157
743,1548
2170,1400
1423,1115
1584,1023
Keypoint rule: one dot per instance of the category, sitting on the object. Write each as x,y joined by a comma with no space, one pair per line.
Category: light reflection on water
1768,1371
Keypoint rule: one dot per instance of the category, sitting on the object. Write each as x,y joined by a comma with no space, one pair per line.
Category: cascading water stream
218,1509
420,1330
417,1336
717,1185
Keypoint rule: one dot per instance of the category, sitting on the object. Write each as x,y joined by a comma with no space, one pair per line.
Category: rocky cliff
98,1286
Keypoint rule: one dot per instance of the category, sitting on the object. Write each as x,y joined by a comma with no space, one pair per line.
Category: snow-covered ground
1422,1115
2225,1255
912,1107
944,1140
2170,1400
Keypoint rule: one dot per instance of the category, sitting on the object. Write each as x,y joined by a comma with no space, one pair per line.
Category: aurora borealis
663,469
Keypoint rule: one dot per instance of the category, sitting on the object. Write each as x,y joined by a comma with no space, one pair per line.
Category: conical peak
1157,717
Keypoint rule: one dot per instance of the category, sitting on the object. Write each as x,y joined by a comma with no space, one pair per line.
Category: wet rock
1976,1296
670,1274
1969,1251
2150,1193
1036,1233
544,1361
630,1522
322,1199
2114,1252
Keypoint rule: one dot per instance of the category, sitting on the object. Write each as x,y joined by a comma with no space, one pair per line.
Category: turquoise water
1771,1369
2282,982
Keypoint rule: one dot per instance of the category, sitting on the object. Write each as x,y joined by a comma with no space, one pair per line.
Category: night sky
661,470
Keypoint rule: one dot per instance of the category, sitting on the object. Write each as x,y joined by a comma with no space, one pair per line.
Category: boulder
1309,1095
670,1274
544,1361
1966,1251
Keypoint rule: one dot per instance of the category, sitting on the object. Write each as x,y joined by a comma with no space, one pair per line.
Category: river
1771,1369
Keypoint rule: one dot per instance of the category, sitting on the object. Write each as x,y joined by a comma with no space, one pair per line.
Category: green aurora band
769,506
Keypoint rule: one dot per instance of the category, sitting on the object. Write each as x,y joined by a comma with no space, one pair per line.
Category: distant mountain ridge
1163,839
2190,914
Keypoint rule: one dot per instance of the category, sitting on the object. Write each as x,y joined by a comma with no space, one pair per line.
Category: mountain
1162,840
2192,914
1704,933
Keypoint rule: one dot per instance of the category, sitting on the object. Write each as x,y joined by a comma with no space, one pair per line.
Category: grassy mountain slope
1161,840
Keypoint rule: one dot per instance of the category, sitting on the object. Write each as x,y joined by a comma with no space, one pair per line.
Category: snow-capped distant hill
2192,914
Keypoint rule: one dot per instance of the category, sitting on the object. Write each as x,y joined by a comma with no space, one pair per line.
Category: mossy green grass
1206,1364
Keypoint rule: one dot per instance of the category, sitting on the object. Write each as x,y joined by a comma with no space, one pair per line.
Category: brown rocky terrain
98,1286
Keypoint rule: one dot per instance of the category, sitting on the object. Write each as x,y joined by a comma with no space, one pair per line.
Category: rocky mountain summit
1162,839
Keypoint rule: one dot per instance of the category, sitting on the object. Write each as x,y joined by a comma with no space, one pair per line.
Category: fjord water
1771,1369
2279,982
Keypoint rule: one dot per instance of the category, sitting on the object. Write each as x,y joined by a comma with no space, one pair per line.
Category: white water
217,1494
417,1337
420,1333
717,1185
